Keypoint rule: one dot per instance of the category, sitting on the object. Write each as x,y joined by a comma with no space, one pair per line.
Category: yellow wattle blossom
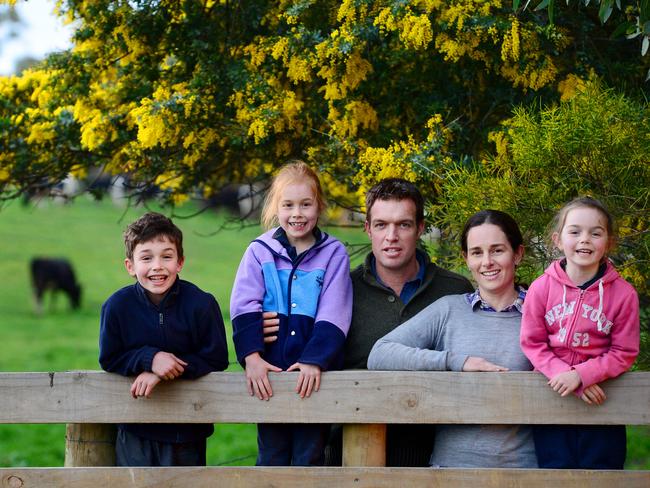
298,69
41,132
356,70
511,42
570,87
281,49
415,31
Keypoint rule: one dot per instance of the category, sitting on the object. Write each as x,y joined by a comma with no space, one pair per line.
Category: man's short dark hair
150,226
395,189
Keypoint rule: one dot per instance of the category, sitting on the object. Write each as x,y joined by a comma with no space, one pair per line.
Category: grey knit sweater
440,338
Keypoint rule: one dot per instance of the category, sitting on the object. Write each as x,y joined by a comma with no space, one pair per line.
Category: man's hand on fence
257,377
144,384
167,366
308,379
473,363
271,326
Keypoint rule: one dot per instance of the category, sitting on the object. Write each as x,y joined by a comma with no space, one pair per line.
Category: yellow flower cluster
357,114
511,41
570,87
416,31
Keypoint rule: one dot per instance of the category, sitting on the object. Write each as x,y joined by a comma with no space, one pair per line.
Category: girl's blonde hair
583,202
291,173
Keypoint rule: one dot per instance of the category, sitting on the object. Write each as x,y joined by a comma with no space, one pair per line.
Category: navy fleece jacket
187,323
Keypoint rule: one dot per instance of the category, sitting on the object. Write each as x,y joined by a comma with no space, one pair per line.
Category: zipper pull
160,319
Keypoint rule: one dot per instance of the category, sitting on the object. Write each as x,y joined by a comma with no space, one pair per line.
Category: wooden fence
90,401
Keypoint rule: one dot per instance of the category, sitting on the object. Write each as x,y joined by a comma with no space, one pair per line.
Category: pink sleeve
624,347
534,334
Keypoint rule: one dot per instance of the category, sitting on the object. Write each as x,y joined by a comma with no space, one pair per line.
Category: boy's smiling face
155,265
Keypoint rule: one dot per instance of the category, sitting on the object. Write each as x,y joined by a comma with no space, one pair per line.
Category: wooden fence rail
364,401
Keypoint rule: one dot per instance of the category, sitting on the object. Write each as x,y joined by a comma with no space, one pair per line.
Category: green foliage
197,94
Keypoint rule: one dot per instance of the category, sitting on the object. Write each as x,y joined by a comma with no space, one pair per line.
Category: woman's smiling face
492,260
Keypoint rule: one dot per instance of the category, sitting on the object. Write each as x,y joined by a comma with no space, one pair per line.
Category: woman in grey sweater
472,332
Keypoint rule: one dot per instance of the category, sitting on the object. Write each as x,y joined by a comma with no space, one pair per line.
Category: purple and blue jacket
312,295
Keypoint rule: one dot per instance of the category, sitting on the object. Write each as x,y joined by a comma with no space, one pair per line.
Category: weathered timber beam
235,477
357,397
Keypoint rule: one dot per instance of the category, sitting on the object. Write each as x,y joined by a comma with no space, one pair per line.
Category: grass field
89,234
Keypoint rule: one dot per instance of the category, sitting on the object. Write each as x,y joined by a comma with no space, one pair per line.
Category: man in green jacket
395,282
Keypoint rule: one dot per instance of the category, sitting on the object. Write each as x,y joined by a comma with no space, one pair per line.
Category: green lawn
89,234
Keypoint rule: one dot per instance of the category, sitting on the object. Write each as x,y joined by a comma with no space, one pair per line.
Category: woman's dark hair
495,217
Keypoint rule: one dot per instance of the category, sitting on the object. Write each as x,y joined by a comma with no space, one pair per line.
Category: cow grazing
54,275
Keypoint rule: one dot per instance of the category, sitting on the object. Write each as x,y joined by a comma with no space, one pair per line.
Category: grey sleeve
417,345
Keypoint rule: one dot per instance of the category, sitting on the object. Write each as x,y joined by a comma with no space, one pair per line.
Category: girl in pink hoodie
580,326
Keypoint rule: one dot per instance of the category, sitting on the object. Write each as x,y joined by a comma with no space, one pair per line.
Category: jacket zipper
576,313
160,319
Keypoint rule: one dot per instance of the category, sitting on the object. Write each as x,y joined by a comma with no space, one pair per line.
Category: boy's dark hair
147,228
395,189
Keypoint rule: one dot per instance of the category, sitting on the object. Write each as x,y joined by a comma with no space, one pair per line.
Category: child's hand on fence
144,384
308,379
257,377
479,364
565,383
270,326
593,394
167,366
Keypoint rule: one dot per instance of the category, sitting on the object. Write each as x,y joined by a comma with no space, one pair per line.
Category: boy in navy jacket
160,328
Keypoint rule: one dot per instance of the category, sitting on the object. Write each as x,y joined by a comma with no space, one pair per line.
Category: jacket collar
168,299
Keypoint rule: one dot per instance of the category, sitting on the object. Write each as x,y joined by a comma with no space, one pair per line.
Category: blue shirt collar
410,287
476,302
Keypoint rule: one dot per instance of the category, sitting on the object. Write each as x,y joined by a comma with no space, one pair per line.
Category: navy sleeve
211,353
325,344
247,335
114,357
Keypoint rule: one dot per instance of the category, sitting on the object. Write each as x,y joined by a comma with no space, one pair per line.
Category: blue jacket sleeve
114,357
211,352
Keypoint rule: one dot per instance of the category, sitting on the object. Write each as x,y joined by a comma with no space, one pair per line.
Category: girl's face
583,239
298,214
492,260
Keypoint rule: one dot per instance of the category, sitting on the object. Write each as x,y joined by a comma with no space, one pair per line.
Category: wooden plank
228,477
364,445
357,397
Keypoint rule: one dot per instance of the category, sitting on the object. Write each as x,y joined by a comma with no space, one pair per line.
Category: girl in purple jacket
303,275
580,326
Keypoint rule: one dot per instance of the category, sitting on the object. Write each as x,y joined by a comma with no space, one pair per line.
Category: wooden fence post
89,445
364,445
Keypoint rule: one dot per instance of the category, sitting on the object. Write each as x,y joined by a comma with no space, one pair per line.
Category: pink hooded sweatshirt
594,331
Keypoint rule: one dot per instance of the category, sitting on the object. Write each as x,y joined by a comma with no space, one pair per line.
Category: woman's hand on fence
473,363
593,394
144,384
308,379
257,377
167,366
270,326
565,383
